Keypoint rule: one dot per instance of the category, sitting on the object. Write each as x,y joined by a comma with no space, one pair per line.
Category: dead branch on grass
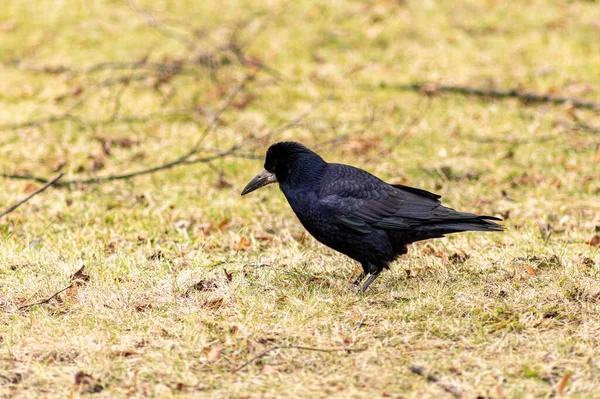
30,196
301,348
432,89
187,158
44,301
78,277
451,389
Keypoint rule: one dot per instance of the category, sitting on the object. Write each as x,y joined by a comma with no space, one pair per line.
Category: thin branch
525,96
302,348
36,192
451,389
26,307
188,158
217,117
184,159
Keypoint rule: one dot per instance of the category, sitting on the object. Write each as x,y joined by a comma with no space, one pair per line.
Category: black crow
356,213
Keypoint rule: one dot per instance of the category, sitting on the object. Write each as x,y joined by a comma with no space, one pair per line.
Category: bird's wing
362,201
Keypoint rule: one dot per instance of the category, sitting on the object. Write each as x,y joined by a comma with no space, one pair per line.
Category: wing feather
362,201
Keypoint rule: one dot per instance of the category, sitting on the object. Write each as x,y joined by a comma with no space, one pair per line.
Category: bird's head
286,162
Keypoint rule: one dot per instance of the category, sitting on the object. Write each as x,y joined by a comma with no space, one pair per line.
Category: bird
356,213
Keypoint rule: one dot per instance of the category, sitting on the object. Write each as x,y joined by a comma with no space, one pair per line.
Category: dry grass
187,281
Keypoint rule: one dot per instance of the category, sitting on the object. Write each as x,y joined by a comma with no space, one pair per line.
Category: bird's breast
314,216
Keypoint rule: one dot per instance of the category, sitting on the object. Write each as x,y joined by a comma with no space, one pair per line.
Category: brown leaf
80,276
459,257
158,255
530,270
203,285
594,241
87,384
110,248
243,243
584,261
214,354
301,238
563,384
142,307
264,237
225,223
213,303
72,290
228,275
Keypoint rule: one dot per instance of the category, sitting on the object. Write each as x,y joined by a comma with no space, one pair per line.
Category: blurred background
159,112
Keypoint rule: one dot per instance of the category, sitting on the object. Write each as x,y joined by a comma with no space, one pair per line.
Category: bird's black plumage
356,213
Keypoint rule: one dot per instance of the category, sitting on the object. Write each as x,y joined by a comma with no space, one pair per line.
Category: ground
189,290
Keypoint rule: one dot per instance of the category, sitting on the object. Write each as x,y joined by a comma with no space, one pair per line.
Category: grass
187,281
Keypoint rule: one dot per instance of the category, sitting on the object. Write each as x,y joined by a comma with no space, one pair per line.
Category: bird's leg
359,279
371,278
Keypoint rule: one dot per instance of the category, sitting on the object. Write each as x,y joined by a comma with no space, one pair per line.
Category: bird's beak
261,179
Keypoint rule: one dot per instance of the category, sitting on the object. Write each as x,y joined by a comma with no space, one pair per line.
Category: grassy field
189,290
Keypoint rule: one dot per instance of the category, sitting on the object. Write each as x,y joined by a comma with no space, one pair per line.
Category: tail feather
479,223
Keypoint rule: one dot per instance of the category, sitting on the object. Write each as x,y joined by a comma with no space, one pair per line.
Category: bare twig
451,389
36,192
182,160
525,96
302,348
26,307
189,157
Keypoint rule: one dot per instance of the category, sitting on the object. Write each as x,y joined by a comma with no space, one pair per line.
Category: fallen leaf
142,307
563,384
225,223
72,290
264,236
87,384
228,275
594,241
530,270
110,248
243,243
213,303
584,261
214,354
158,255
459,257
203,285
80,276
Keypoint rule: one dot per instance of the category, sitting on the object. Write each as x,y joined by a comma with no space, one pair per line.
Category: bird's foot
367,283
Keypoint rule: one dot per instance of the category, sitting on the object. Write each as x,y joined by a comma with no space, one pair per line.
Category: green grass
174,304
